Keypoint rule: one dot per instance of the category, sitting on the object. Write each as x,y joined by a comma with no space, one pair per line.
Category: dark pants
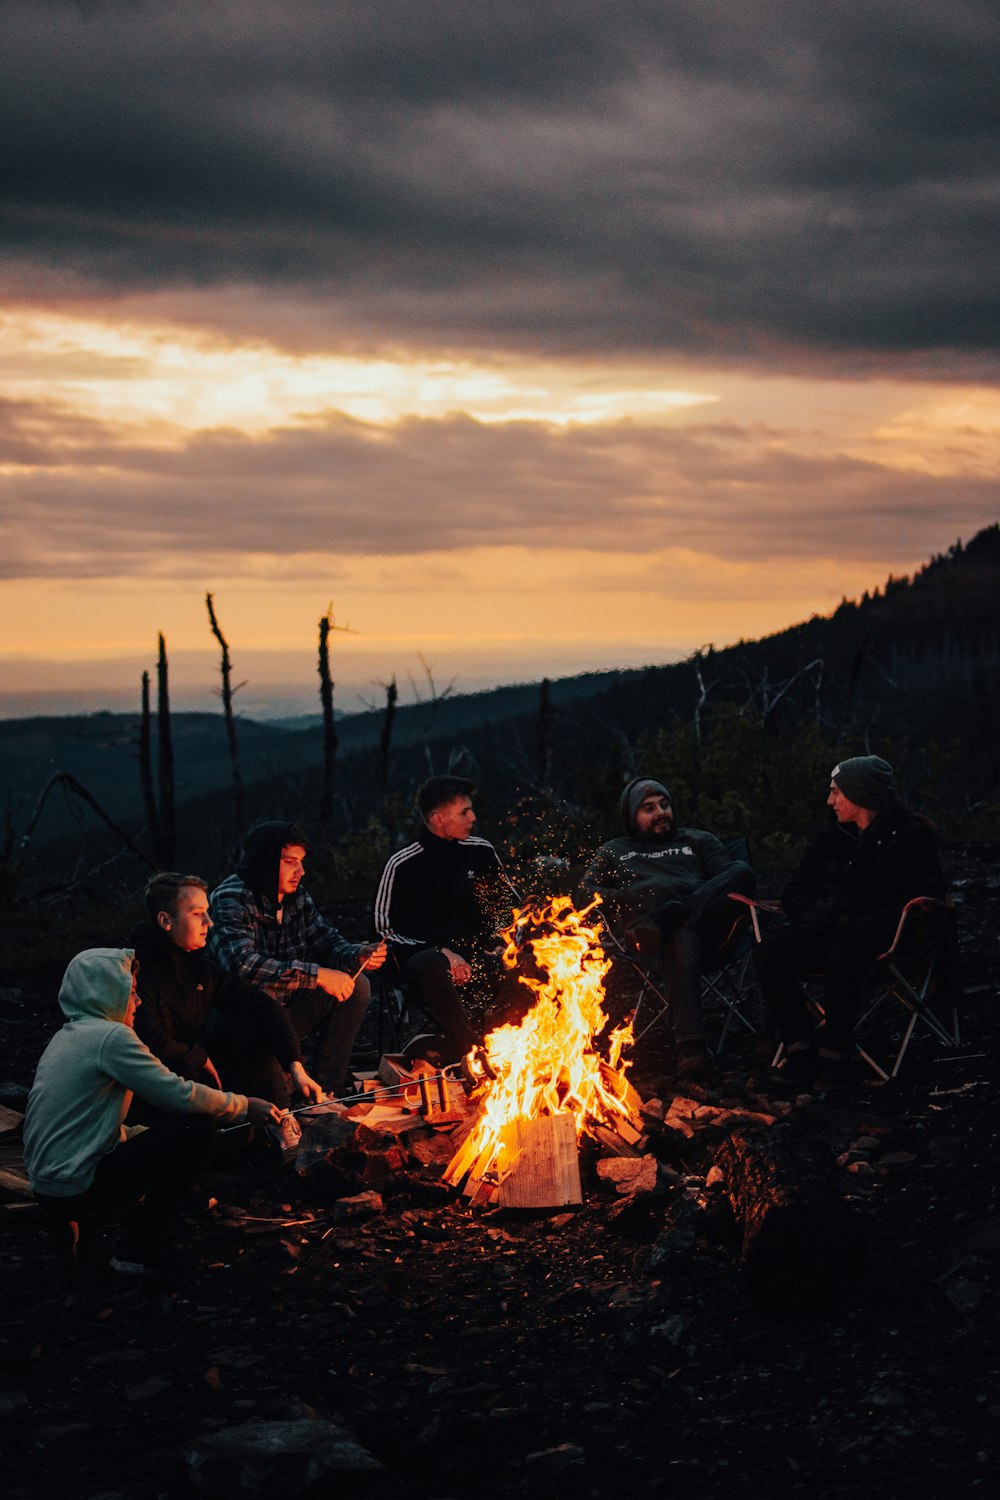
687,948
841,959
157,1166
333,1025
243,1060
430,975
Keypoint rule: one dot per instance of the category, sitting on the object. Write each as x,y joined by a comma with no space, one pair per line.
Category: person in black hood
668,886
200,1019
269,932
844,902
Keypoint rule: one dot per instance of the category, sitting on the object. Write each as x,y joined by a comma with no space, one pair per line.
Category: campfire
543,1081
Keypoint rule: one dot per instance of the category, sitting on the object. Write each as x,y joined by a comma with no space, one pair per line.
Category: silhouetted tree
227,709
167,830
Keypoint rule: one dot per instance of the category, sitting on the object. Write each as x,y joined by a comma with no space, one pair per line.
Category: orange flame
548,1064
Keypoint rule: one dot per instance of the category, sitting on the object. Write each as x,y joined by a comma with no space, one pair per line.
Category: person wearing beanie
668,886
268,931
844,902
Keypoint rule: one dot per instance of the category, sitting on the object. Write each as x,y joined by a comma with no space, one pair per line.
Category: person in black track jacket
441,904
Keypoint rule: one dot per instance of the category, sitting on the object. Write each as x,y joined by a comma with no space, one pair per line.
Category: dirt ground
439,1350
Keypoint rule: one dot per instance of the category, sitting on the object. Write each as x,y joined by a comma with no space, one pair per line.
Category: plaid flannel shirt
279,957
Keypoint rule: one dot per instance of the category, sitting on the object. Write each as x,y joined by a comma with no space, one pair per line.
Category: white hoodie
88,1073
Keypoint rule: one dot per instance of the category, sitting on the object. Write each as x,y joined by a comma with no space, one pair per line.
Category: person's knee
431,962
362,991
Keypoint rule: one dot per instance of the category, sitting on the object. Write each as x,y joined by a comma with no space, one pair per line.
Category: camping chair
723,977
922,962
656,998
922,956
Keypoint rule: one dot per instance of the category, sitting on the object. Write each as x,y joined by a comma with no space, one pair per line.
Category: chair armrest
772,908
915,904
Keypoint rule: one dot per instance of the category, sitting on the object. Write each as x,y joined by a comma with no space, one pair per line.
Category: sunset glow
529,380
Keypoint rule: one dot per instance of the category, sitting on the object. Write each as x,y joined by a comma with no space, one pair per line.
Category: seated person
200,1019
441,904
268,931
669,886
844,902
81,1160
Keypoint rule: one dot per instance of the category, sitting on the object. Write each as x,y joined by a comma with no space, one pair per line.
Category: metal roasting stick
391,1092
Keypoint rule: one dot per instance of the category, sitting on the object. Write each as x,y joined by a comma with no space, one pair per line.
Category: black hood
262,858
634,793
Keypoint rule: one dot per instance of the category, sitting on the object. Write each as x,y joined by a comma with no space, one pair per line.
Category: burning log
545,1163
799,1243
547,1080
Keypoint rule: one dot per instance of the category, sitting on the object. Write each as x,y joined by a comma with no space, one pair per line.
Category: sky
532,337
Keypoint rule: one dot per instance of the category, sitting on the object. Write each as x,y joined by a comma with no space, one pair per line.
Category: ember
547,1067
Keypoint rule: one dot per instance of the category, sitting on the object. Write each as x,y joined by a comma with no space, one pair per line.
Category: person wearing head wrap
81,1159
844,902
269,932
668,885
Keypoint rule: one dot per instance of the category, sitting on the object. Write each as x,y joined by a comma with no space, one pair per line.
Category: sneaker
134,1260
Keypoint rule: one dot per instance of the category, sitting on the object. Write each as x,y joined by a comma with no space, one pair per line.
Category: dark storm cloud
771,180
94,504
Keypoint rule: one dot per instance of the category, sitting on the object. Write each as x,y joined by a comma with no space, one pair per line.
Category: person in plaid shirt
268,930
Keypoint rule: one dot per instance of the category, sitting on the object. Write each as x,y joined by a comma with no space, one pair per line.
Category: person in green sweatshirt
82,1161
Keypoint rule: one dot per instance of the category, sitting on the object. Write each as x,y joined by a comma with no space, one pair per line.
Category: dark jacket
645,873
443,893
178,990
640,873
861,880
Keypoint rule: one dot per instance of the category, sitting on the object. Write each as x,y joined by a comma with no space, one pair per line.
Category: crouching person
82,1161
200,1019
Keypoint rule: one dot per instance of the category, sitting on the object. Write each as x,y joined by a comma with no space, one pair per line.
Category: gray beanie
866,780
634,793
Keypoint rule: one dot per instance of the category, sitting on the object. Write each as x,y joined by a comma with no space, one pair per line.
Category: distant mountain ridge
919,657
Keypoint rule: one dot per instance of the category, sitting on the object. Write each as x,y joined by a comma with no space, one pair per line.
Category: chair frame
911,993
719,982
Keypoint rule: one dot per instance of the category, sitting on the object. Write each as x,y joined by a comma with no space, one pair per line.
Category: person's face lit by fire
134,1002
654,817
291,869
187,927
454,820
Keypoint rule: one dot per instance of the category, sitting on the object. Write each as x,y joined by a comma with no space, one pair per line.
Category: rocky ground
439,1350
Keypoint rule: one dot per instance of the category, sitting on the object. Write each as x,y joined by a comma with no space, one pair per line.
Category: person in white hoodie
82,1160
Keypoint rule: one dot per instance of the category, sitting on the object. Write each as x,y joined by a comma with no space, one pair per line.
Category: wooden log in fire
545,1163
800,1244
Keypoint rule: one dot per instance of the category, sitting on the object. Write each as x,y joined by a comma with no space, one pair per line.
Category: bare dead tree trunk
63,778
543,734
227,709
329,724
146,766
385,738
703,693
167,840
